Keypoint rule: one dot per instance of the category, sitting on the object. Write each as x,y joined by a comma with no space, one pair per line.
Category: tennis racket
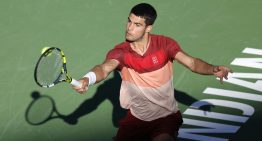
51,69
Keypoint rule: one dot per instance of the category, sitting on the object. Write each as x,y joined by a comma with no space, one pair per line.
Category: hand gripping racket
51,69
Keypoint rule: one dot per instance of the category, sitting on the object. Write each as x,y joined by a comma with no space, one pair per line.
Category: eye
138,25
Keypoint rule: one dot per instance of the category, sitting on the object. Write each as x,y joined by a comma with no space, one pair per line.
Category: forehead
136,19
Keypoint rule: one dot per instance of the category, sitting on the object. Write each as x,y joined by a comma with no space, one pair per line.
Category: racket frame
63,70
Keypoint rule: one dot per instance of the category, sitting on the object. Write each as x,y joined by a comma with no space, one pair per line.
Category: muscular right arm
104,69
101,71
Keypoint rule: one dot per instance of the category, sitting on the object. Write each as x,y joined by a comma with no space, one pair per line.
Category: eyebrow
134,22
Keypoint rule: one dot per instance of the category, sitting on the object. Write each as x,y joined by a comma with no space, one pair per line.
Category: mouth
128,34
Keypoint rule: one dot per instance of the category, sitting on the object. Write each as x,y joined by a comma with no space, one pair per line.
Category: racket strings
50,68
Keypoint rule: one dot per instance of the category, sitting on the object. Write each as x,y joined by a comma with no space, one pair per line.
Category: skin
137,33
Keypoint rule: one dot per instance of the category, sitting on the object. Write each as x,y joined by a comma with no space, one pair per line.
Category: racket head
51,69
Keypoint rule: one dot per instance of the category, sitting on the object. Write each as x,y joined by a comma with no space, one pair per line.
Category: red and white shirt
147,81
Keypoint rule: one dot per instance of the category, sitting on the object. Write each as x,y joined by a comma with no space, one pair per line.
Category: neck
141,45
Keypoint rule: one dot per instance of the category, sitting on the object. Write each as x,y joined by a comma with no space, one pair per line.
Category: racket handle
76,83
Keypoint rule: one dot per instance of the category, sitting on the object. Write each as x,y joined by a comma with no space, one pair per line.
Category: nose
130,27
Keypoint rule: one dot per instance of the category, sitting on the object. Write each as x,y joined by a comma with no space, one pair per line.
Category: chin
129,39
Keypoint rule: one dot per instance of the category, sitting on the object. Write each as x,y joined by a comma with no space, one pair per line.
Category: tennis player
145,62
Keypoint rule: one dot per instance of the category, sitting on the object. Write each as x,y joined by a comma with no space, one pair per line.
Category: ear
149,28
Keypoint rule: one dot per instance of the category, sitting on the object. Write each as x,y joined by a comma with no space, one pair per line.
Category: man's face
135,28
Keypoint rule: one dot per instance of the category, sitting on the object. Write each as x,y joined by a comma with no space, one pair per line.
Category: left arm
201,67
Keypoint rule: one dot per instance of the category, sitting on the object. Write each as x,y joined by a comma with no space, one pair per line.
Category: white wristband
92,78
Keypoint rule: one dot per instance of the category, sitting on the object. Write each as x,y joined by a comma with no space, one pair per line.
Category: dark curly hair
145,11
